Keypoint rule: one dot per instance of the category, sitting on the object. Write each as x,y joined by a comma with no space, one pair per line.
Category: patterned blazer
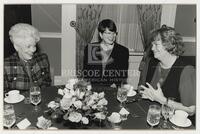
17,77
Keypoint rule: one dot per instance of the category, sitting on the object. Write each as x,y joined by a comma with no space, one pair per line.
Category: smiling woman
169,74
106,57
25,66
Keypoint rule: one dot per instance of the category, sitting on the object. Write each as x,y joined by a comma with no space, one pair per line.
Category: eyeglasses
109,33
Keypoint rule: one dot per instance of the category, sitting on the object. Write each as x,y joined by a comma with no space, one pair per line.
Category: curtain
86,23
149,20
126,20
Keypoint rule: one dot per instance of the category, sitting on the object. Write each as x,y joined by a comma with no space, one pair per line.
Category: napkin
123,111
24,124
113,85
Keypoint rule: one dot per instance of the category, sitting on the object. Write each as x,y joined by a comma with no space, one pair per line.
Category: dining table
136,120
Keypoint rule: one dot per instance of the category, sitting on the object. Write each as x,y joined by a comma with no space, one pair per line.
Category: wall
47,18
186,26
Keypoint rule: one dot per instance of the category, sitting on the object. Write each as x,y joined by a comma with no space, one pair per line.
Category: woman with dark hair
169,74
106,62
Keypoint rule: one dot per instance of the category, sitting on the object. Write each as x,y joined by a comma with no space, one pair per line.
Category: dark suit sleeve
123,64
126,63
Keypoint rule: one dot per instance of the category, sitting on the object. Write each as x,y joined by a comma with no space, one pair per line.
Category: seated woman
106,62
169,74
25,66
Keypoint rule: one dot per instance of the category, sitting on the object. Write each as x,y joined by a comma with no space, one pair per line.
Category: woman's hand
157,95
153,94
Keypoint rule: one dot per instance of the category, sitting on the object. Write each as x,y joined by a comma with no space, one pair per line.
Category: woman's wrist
163,100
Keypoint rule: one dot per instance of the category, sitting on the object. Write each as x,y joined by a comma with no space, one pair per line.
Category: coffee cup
12,95
180,116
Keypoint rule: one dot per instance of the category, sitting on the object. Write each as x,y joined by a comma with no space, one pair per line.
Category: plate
21,98
131,93
186,124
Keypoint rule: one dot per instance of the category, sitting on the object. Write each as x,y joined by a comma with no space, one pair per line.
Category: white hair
21,33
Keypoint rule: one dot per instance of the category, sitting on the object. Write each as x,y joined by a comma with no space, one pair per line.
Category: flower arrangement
78,103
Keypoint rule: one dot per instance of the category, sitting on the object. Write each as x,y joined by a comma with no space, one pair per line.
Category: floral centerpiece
78,103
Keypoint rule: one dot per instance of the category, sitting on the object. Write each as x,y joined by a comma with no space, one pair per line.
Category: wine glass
167,112
9,118
122,95
153,115
35,97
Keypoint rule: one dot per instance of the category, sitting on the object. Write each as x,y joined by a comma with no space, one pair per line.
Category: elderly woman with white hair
25,66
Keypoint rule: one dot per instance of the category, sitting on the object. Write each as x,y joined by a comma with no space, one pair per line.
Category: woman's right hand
153,94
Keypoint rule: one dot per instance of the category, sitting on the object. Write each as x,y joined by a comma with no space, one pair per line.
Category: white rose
81,95
65,90
100,115
53,105
72,92
85,120
73,81
69,86
102,102
86,107
101,95
65,103
75,117
89,87
90,102
114,117
67,95
94,106
94,96
78,104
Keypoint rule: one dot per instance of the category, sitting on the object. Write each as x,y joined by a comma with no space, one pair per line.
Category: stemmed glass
122,95
167,112
9,118
35,97
153,115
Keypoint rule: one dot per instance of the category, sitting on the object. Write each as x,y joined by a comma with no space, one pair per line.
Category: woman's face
158,48
26,49
108,37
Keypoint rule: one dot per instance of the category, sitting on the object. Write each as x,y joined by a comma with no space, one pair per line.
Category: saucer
131,93
21,98
185,124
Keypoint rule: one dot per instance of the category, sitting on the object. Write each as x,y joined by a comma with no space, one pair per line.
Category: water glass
153,115
35,97
9,118
167,112
122,95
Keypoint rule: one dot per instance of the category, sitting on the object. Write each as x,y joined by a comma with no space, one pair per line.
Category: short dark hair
107,23
171,40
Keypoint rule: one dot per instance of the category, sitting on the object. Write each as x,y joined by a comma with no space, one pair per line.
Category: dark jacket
170,86
116,69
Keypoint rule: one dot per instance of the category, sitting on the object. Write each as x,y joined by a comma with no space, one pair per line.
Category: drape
126,19
149,20
86,22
